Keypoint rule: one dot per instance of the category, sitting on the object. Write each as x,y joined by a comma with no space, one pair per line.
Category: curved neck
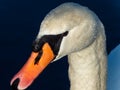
87,68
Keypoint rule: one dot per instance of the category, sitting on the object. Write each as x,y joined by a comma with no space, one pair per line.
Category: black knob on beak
15,84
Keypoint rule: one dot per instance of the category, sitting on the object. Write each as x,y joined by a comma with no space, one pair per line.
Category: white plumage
84,45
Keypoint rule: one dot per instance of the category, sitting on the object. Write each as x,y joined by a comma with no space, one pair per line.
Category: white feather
85,44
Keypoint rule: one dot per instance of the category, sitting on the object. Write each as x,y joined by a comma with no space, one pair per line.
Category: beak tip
15,83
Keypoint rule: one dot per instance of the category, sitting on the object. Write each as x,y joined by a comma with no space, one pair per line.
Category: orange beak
30,70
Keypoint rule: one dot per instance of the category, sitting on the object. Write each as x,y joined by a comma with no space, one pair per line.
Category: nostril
15,84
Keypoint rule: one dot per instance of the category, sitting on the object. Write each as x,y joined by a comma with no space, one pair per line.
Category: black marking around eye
37,46
53,40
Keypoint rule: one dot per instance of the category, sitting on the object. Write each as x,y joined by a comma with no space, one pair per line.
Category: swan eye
65,33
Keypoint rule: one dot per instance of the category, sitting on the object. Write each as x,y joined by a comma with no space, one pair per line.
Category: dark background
19,25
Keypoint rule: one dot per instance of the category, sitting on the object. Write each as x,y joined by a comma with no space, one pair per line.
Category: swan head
66,29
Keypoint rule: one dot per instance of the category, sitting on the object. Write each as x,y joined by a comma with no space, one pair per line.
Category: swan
73,30
113,83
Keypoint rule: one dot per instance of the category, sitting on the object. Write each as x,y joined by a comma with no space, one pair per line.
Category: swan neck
87,68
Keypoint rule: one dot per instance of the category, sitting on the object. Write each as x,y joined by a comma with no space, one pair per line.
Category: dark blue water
19,24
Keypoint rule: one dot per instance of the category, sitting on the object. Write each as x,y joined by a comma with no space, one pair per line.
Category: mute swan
73,30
